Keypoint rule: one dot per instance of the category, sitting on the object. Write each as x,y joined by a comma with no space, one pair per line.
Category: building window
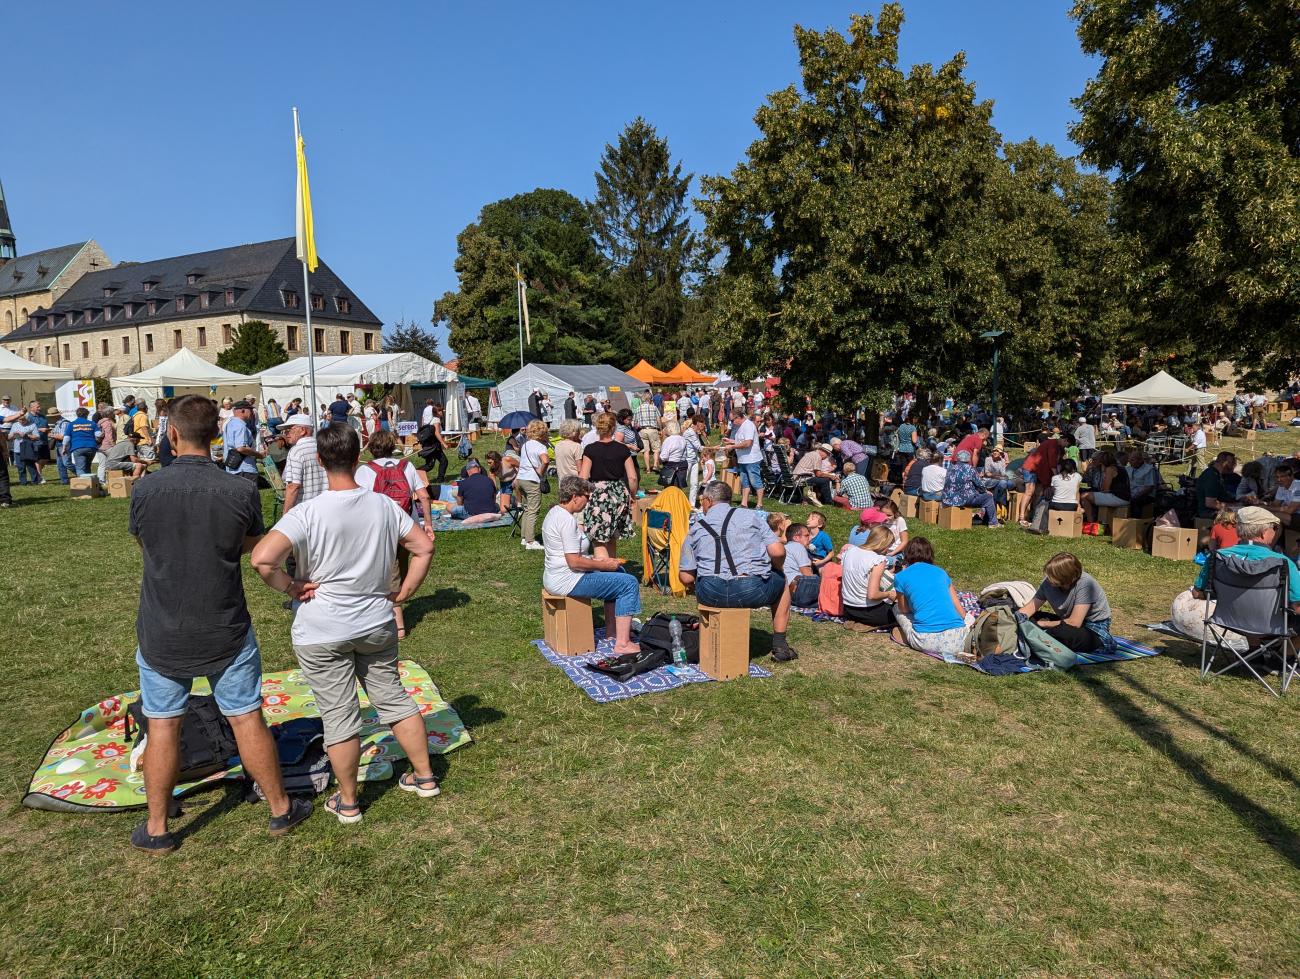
148,343
227,334
368,341
126,345
176,339
318,302
49,357
345,342
128,308
203,336
103,348
85,348
153,307
67,351
191,278
108,291
289,298
291,337
203,300
230,297
319,337
180,304
31,353
9,320
343,305
22,316
149,284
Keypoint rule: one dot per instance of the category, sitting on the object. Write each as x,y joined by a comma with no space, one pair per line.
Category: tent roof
584,378
1160,389
468,382
401,368
184,368
14,368
649,373
684,373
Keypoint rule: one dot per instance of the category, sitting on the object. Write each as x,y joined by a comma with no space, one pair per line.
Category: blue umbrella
517,419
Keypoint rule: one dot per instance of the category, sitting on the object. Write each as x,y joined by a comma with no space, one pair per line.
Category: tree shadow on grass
442,600
474,713
1260,821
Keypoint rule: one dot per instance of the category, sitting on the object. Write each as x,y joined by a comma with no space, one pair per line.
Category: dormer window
230,297
42,271
149,284
180,304
191,278
129,309
108,291
152,307
289,298
203,300
317,302
342,304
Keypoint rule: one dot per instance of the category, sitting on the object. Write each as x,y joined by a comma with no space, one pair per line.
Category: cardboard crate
1288,415
1107,515
724,642
955,517
119,486
879,471
1064,523
85,488
1173,543
910,506
1016,503
928,511
1130,533
567,624
896,498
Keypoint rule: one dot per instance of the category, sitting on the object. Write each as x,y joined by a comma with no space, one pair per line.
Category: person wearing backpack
400,481
345,541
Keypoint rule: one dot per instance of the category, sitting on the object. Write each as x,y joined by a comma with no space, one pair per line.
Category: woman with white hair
568,450
962,487
672,456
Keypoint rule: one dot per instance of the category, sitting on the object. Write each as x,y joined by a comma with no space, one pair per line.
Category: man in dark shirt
194,523
571,406
339,409
476,494
1211,493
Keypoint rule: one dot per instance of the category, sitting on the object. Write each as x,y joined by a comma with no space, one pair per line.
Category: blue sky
160,129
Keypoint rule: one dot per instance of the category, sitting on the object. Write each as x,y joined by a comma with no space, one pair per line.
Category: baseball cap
472,463
1257,514
873,515
293,420
241,405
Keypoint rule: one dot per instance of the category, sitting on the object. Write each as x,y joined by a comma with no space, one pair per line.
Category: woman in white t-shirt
382,447
568,571
861,584
672,456
534,460
1065,487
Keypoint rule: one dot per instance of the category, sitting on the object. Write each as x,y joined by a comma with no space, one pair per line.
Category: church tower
8,243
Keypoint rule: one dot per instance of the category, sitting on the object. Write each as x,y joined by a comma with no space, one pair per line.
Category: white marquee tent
1160,389
24,380
416,377
184,372
558,380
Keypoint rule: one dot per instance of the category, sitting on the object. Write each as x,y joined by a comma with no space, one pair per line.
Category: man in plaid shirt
647,421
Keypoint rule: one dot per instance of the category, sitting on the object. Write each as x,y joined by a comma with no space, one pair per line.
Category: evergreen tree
1195,111
255,348
410,337
641,223
548,233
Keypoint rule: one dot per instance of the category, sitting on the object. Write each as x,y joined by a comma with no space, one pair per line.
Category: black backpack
655,635
207,741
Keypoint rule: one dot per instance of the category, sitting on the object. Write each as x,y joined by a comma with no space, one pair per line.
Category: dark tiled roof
37,271
257,273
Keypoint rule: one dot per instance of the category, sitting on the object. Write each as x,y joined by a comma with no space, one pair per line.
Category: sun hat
241,405
295,420
1257,514
826,448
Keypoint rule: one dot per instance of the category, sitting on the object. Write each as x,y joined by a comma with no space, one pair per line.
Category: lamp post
993,335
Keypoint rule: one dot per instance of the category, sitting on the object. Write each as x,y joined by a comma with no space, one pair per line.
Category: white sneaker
532,545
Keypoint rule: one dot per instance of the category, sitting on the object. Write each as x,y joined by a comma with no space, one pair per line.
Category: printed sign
406,428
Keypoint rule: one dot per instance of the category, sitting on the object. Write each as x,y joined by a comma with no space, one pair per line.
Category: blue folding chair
660,557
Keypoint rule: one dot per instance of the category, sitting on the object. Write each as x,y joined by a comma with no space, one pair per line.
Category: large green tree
410,337
641,220
255,348
875,231
548,233
1195,112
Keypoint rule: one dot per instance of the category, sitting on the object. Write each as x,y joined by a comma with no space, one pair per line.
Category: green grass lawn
865,810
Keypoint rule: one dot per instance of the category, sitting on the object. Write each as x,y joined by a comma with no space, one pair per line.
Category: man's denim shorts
750,475
237,688
748,592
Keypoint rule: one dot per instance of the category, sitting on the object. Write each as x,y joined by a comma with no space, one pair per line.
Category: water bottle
679,650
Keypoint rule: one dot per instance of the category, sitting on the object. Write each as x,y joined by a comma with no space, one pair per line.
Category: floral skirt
608,514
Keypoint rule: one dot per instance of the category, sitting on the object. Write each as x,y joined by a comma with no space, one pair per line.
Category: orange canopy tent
683,373
647,373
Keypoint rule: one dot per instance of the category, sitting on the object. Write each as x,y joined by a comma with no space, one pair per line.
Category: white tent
416,377
558,380
1160,389
25,380
184,372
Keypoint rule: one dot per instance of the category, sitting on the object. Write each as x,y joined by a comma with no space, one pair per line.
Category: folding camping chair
660,557
785,487
276,482
1250,598
515,511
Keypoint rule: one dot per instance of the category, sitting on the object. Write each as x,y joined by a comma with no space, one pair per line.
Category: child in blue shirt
821,545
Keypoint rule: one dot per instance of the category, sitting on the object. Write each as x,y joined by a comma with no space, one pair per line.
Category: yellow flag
306,228
523,301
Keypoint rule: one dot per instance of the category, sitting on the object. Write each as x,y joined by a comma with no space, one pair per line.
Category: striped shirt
303,468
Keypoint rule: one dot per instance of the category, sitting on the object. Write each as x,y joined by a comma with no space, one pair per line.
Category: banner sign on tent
71,395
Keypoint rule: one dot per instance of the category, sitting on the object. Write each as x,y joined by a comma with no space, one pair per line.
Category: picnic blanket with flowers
88,767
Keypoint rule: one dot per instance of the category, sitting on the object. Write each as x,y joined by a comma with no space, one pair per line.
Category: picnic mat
1125,649
444,521
603,689
88,765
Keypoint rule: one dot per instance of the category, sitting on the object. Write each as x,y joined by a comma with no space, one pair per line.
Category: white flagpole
519,312
306,299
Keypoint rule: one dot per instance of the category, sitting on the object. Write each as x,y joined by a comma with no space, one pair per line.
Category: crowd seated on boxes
569,571
962,488
732,559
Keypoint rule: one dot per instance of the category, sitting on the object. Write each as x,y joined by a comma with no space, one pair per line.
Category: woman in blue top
930,616
81,439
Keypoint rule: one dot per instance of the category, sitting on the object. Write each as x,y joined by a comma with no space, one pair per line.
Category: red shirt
1224,536
973,444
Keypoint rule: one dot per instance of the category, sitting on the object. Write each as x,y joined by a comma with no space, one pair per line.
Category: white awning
1160,389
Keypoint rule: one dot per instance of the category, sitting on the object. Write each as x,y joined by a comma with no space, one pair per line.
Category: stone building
127,318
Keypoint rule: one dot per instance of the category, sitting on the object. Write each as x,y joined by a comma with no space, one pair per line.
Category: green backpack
1056,654
994,632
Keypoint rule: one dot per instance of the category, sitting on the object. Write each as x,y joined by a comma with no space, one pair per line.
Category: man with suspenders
733,560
